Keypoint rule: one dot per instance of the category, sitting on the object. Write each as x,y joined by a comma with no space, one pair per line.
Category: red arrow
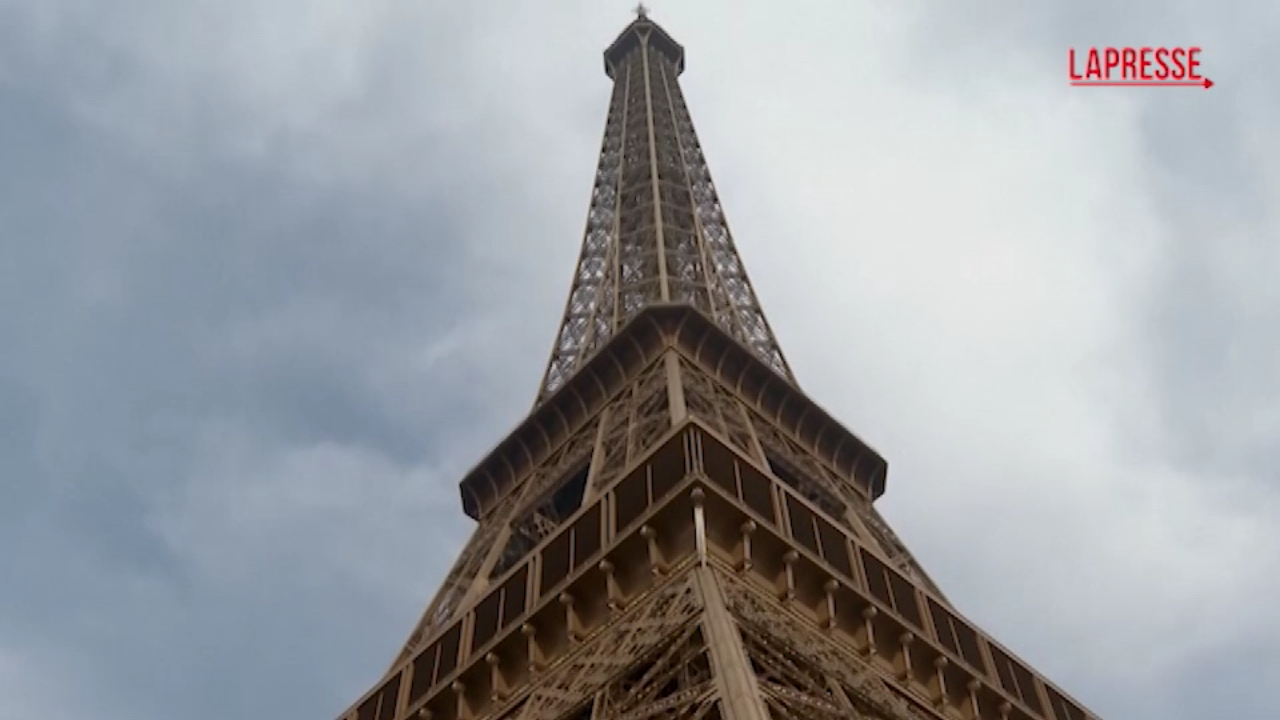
1206,83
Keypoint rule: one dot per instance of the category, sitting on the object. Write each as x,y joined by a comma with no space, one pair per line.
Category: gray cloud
274,275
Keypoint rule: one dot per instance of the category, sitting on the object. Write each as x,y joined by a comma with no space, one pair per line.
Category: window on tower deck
542,518
808,489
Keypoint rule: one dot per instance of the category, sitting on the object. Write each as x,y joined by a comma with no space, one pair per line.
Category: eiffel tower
676,531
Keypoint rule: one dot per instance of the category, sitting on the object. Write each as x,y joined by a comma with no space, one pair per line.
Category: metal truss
620,432
656,232
802,672
756,436
654,662
659,630
499,540
613,574
689,600
894,548
631,424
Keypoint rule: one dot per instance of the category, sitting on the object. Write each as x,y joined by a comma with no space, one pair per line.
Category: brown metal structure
676,531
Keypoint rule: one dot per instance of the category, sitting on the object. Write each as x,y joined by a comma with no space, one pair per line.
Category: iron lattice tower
676,531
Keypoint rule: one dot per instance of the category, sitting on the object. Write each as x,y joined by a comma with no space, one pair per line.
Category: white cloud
325,517
32,687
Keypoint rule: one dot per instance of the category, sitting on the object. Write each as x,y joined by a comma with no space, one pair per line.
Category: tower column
675,389
738,690
664,283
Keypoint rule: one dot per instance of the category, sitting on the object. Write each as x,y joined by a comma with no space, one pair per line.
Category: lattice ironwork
661,620
623,431
810,476
803,667
552,493
627,427
896,551
817,482
673,683
714,403
656,231
461,577
506,527
655,235
631,424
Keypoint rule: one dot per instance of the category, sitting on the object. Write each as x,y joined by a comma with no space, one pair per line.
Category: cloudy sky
274,273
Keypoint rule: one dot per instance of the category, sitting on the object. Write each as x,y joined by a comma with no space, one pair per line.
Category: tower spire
656,232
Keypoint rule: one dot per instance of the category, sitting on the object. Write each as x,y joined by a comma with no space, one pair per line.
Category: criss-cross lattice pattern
674,683
655,623
497,542
717,406
633,422
623,430
804,673
656,231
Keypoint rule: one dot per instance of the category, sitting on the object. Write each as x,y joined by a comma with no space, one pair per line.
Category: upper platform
639,29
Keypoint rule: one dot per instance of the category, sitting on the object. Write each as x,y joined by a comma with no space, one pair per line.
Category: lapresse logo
1136,67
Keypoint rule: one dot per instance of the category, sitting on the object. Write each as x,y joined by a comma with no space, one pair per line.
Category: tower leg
739,694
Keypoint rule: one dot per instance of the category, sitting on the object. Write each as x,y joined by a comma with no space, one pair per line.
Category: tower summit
656,233
676,530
